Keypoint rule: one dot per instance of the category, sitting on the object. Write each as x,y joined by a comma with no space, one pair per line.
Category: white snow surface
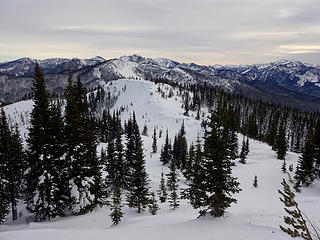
256,216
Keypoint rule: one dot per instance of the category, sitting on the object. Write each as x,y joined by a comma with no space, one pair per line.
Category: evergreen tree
255,181
247,150
281,142
316,143
11,167
162,189
153,205
116,207
305,173
172,183
295,219
189,163
243,155
42,186
186,104
154,143
138,184
82,175
218,182
166,152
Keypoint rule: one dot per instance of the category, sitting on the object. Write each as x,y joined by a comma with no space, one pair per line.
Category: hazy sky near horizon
201,31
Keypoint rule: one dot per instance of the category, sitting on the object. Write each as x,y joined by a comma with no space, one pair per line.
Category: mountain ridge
279,81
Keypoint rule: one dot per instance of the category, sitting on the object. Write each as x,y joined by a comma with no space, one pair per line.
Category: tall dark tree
306,172
316,143
162,189
166,152
12,166
83,172
243,155
154,143
172,182
138,184
42,186
281,142
116,207
218,183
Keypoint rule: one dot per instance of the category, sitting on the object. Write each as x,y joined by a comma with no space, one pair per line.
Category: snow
257,214
307,77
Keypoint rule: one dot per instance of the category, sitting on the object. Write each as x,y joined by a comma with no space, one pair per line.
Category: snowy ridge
257,214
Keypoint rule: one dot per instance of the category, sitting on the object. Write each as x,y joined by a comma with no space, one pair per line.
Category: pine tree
295,219
162,189
218,182
138,184
12,165
82,175
189,163
42,186
306,173
243,155
166,152
255,181
316,143
153,205
247,150
116,207
281,142
154,143
172,183
186,104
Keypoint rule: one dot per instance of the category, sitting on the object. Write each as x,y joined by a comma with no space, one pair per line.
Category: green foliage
162,189
153,205
295,219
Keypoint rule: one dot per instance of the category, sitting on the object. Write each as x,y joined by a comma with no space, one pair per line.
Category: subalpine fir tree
172,182
187,172
296,219
42,186
82,174
186,104
12,165
255,181
162,189
116,207
306,173
217,183
247,149
138,182
316,143
166,152
243,155
154,143
281,142
194,190
153,205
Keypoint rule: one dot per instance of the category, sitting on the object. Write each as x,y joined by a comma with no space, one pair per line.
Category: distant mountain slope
288,82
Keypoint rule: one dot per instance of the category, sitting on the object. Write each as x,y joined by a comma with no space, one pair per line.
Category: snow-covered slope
257,214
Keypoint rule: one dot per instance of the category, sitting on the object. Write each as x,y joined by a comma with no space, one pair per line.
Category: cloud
204,31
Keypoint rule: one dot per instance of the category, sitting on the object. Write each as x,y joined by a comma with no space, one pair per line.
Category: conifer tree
296,221
116,207
153,205
138,184
42,186
154,143
247,150
243,154
162,189
316,143
82,175
281,142
218,182
189,163
12,166
306,173
166,152
255,181
172,183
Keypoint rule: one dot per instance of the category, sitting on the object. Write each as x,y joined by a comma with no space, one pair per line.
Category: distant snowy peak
25,66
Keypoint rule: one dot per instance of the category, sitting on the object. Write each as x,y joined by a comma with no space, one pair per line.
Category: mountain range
292,83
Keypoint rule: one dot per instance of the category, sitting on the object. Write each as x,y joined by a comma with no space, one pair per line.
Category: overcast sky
205,32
